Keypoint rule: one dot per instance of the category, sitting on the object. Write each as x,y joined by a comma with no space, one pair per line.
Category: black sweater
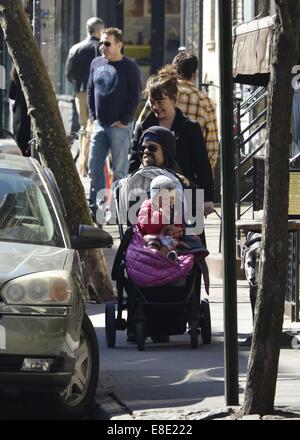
191,153
114,90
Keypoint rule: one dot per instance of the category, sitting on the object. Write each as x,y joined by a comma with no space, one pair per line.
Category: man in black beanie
157,147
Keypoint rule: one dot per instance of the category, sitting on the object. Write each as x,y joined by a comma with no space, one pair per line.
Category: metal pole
237,146
228,214
37,21
157,34
120,14
182,22
2,79
200,46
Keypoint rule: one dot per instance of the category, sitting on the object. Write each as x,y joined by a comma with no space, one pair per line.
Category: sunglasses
105,43
151,148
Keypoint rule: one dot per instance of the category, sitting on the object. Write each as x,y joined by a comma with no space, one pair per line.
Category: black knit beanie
166,139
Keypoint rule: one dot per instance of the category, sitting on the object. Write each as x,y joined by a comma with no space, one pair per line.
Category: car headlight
39,289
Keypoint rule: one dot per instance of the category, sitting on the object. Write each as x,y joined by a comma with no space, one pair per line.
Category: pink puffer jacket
148,267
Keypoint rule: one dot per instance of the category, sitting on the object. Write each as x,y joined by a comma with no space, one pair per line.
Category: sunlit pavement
172,379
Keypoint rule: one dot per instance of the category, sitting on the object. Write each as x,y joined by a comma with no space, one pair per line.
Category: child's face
178,233
175,232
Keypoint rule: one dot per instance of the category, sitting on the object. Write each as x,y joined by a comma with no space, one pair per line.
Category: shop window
67,23
211,44
137,33
172,42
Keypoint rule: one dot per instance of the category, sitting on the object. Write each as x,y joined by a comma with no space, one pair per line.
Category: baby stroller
154,311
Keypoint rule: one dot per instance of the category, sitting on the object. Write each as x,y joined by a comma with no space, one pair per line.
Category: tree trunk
51,142
269,310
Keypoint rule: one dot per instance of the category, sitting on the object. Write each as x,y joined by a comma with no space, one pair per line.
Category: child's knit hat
159,183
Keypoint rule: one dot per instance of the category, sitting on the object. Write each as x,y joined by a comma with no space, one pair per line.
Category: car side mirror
91,237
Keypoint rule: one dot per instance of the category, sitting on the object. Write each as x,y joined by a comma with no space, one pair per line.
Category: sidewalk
287,401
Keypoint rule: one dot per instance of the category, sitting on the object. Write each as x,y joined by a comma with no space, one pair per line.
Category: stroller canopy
133,190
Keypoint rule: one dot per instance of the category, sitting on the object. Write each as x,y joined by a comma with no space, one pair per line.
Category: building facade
153,32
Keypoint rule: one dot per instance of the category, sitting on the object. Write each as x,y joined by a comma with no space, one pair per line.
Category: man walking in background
114,90
195,104
77,71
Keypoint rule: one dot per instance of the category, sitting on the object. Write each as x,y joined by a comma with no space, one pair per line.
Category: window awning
252,50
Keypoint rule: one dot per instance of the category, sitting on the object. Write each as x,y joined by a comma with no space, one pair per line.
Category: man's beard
148,160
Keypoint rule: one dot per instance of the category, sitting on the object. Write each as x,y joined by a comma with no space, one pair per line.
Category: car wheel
76,399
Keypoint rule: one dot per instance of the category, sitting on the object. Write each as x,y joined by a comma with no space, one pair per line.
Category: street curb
184,414
109,407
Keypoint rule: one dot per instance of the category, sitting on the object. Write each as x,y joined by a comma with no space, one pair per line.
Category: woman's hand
184,180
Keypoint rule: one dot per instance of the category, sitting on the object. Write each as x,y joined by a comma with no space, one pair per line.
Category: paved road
170,377
12,408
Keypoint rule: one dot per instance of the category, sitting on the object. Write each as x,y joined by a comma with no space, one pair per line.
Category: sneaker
94,218
98,225
172,256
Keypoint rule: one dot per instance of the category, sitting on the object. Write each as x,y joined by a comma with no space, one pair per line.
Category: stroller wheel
205,322
140,335
194,332
110,325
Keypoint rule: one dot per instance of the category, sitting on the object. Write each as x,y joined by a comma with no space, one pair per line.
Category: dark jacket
191,153
79,60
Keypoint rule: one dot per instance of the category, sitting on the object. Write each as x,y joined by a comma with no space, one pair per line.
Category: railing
243,161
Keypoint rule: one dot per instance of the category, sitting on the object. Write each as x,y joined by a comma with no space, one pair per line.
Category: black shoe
172,256
94,218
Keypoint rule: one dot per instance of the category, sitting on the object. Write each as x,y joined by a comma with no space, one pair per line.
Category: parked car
47,342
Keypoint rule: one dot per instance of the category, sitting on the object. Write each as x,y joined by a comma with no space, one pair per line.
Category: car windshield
26,213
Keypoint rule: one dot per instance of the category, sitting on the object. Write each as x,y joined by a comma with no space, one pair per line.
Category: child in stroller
155,216
149,279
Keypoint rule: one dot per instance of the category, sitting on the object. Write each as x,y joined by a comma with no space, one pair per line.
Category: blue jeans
104,140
